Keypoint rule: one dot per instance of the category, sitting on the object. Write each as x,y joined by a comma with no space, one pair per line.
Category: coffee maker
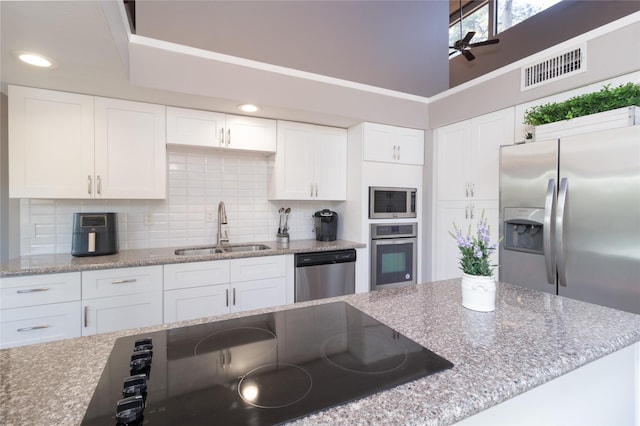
94,234
326,225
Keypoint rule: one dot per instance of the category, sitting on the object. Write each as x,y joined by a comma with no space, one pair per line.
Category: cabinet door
330,164
250,133
453,144
51,137
198,302
38,324
379,143
195,127
258,294
410,146
130,156
121,312
293,169
490,131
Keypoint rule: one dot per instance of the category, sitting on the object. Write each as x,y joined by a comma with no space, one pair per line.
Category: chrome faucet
222,220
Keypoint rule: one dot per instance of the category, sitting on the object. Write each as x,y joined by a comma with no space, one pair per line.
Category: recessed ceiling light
248,108
36,59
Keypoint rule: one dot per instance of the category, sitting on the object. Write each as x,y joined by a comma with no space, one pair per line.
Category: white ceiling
96,56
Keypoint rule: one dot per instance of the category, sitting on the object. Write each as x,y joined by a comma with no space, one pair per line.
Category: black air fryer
94,234
326,224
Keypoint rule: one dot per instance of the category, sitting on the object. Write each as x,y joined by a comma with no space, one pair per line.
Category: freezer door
525,173
598,227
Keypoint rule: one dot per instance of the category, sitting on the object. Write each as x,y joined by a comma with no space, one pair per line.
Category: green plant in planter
606,99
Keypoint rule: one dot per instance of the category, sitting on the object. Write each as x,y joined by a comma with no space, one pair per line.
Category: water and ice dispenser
523,229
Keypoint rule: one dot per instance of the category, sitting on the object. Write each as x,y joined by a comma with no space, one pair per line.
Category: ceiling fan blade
454,52
485,43
468,55
468,37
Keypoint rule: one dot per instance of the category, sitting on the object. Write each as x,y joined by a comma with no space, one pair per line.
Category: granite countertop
529,339
57,263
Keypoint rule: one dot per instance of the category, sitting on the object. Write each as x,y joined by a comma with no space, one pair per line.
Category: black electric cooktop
256,370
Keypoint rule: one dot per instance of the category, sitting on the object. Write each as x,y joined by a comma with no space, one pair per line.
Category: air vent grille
566,64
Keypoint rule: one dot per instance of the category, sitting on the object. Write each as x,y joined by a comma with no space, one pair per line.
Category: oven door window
390,202
394,262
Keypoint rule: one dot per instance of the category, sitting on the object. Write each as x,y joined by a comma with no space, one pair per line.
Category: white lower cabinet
202,289
117,299
39,308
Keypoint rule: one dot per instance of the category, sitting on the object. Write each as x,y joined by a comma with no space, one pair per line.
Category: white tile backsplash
197,181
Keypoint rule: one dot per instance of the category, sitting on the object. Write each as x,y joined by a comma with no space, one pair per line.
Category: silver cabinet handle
222,137
128,280
394,151
35,327
316,189
32,290
227,291
89,184
472,208
562,199
473,189
398,151
99,184
234,296
228,137
466,212
86,316
466,190
547,232
311,189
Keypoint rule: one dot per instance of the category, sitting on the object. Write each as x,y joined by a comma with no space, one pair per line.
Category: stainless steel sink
201,251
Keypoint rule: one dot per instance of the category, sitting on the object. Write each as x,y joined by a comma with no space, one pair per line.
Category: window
490,17
512,12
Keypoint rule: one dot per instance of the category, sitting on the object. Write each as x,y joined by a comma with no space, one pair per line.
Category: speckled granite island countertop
57,263
530,339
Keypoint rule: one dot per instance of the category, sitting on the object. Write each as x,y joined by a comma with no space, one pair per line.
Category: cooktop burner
256,370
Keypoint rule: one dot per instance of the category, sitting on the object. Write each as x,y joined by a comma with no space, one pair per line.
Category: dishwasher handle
325,258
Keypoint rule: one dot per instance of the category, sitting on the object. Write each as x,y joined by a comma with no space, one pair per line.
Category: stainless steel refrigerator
570,217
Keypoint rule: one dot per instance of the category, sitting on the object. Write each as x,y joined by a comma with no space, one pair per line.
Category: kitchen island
531,339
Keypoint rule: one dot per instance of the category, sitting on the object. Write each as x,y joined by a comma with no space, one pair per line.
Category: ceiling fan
463,44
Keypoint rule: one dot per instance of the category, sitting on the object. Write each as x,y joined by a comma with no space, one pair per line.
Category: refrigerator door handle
562,199
547,234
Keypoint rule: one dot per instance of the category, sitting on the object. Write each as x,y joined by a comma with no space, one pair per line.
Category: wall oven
391,203
393,254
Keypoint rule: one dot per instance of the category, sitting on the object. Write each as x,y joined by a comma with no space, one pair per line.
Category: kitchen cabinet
203,289
66,145
468,156
130,151
393,144
117,299
217,130
310,163
39,308
467,183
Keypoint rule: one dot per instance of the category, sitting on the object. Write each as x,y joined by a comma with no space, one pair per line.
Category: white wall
197,181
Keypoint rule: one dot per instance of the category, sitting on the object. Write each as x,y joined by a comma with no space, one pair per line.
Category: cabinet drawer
38,324
120,282
196,274
257,268
35,290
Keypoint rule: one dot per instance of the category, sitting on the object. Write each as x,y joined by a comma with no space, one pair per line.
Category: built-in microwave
391,203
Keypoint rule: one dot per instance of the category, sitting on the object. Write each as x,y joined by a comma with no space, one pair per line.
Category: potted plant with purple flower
478,285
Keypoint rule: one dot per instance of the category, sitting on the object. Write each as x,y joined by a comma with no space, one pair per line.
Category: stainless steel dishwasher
325,274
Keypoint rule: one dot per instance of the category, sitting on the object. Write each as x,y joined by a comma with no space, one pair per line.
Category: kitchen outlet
148,219
210,216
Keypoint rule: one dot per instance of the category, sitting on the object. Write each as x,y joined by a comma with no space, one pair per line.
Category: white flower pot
478,293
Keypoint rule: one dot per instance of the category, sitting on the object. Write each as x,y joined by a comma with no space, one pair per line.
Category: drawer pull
130,280
32,290
37,327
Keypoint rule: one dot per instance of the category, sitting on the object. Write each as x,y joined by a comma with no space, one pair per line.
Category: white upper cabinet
66,145
130,151
217,130
51,144
310,163
392,144
468,156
